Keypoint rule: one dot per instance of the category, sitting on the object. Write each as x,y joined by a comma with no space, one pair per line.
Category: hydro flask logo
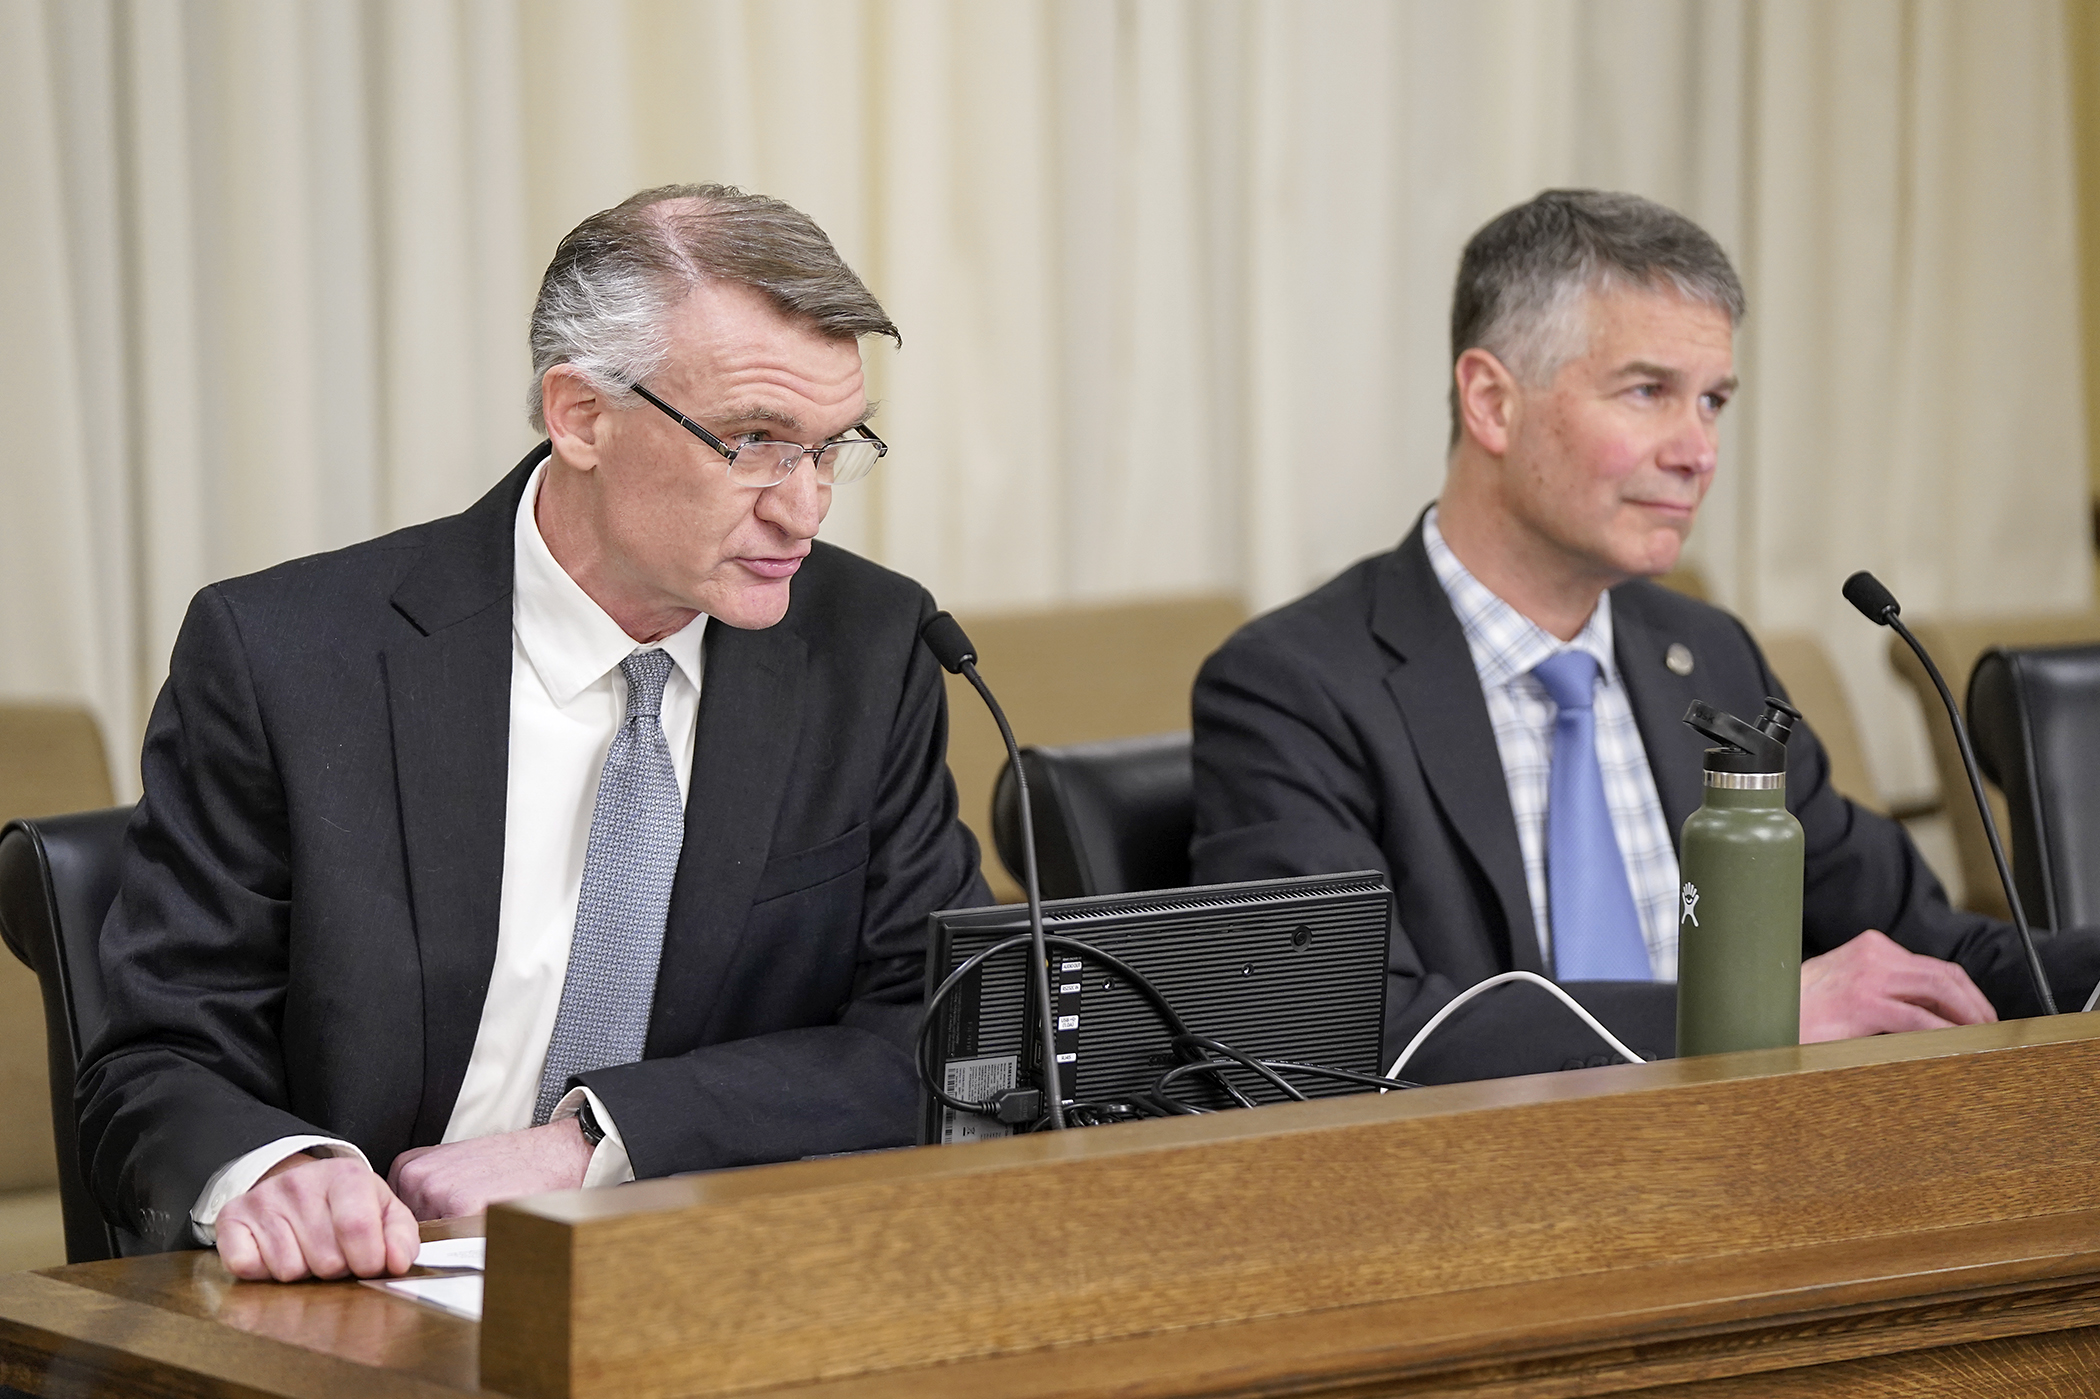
1691,901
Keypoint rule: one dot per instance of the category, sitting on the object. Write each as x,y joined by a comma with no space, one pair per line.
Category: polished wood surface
1733,1186
179,1324
1988,1312
1913,1216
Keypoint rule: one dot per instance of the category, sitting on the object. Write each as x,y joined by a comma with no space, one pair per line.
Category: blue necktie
1596,929
637,830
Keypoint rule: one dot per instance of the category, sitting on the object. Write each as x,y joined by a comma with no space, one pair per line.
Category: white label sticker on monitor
974,1080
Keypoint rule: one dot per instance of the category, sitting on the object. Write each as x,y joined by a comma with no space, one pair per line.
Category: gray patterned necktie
637,828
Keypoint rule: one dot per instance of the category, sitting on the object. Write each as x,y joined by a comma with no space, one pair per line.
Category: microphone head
1864,591
944,637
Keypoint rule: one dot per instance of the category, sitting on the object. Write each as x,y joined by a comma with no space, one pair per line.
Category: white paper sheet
454,1253
459,1294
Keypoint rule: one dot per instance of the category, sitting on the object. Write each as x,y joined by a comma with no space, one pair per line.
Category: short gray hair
1523,275
606,302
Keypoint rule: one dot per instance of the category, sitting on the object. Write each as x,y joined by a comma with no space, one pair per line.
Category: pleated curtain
1173,276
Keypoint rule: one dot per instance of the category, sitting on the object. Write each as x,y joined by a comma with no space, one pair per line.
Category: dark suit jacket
307,918
1348,731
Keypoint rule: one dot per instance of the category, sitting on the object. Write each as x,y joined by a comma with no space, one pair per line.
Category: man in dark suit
546,845
1491,713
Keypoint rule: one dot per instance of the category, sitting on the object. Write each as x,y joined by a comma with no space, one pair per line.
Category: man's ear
1488,396
575,413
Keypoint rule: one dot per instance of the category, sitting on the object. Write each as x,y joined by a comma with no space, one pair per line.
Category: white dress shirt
567,702
1506,645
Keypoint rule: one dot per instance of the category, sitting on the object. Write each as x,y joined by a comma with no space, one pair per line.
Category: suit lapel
448,695
743,749
1438,692
1659,696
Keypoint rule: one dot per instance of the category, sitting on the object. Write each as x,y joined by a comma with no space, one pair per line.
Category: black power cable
1145,988
1226,1051
1268,1069
1159,1103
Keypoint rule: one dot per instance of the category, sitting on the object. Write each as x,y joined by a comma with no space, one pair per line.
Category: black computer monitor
1291,969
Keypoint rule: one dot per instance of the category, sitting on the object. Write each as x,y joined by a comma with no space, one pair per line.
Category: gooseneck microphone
1864,591
944,637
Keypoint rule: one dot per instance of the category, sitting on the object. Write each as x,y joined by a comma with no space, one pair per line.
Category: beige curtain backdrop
1173,276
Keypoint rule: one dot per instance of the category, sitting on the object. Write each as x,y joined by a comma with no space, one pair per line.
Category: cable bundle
1199,1057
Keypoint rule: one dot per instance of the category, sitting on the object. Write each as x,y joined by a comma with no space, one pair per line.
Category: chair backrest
1955,646
1110,818
1075,675
51,761
58,877
2034,716
1812,682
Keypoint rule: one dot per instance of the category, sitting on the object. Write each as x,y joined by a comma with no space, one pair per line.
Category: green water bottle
1739,908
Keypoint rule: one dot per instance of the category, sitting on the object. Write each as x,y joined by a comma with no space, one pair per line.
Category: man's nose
1694,448
796,504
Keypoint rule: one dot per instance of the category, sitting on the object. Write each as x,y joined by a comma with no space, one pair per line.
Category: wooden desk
179,1324
1866,1257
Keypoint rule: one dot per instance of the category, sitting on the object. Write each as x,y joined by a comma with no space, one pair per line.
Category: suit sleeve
188,1072
1285,787
1282,786
851,1085
1862,871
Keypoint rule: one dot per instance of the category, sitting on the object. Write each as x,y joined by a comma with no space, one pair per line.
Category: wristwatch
587,1123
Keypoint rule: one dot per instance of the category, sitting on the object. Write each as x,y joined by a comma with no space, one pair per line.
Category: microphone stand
945,638
1865,592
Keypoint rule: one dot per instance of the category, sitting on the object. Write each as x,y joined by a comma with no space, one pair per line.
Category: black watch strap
587,1123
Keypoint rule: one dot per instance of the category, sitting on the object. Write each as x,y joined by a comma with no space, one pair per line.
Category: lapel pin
1678,658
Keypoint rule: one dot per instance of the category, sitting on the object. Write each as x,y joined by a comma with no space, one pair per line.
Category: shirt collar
569,639
1504,642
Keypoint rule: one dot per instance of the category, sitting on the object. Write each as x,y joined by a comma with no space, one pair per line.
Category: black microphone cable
1865,592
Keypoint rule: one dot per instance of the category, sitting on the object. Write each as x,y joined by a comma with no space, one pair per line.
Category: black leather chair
2034,714
1110,818
58,876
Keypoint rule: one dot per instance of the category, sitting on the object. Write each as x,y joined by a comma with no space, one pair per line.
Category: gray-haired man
1491,712
549,844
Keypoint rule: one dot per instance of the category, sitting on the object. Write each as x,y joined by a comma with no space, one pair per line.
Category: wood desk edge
53,1329
596,1231
573,1207
1677,1322
2007,1277
1530,1339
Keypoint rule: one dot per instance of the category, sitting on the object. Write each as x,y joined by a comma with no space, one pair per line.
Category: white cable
1503,980
2094,999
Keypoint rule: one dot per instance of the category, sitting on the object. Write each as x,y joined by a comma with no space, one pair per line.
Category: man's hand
1871,986
443,1182
316,1218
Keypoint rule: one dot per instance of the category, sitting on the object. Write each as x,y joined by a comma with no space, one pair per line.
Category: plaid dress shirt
1505,646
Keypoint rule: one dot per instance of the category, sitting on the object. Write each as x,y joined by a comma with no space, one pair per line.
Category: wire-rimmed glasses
761,462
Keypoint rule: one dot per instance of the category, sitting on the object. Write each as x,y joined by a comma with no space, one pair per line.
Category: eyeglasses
760,463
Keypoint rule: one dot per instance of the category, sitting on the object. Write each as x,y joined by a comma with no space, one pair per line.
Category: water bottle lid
1745,748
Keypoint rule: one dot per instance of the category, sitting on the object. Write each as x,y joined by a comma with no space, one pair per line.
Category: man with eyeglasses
551,844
